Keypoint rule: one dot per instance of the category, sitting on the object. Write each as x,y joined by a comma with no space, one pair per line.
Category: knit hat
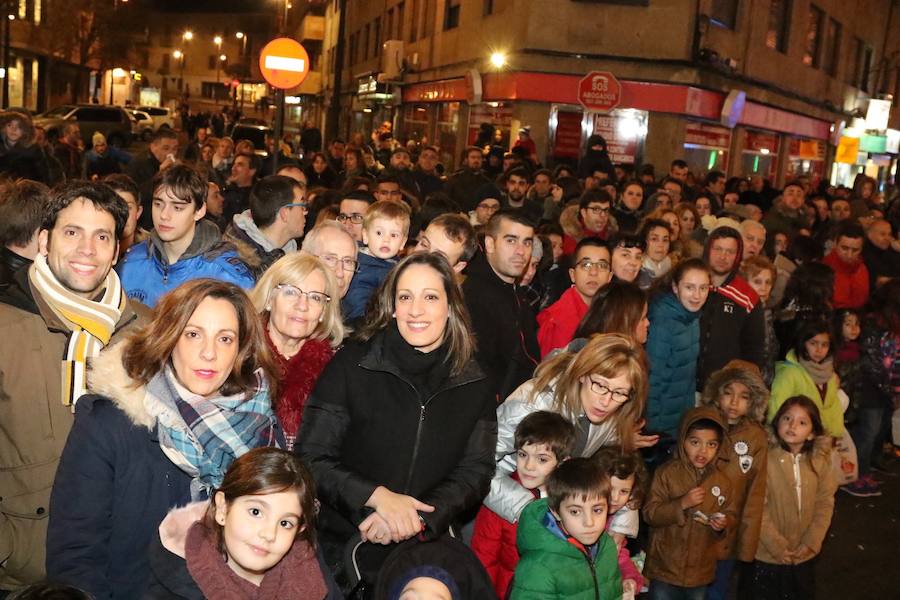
98,139
488,190
724,222
431,572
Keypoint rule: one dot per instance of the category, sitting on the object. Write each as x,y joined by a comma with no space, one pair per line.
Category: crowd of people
358,375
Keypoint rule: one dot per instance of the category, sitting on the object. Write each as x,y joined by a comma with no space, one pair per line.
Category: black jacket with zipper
366,425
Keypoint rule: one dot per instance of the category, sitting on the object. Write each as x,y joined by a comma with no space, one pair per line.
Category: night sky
213,5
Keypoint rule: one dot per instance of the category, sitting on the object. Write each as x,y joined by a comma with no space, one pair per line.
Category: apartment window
488,7
352,47
166,61
832,47
389,25
376,33
724,13
414,22
451,14
865,83
365,44
779,25
811,54
400,15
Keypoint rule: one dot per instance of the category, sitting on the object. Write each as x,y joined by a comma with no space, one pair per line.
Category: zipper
590,563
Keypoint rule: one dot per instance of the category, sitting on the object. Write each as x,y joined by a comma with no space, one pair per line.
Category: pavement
861,554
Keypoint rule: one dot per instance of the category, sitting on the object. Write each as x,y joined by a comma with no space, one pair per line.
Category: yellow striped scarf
91,323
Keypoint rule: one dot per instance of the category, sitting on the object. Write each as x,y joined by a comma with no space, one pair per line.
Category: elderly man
754,235
880,254
330,241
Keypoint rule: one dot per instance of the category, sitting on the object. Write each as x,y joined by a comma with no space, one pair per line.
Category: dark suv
112,121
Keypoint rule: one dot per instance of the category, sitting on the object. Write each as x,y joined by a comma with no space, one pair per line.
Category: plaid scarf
203,436
91,324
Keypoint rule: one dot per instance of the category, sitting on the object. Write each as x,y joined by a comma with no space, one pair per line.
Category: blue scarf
203,436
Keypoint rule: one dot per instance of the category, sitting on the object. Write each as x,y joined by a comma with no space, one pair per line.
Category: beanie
98,138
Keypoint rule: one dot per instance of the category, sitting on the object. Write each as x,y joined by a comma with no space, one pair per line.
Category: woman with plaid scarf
167,411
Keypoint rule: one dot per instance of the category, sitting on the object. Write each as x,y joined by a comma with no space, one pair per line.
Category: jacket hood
174,528
18,293
107,377
691,417
534,535
821,448
207,240
244,222
596,140
742,372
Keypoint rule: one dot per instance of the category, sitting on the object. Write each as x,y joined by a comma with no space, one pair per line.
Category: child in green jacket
565,550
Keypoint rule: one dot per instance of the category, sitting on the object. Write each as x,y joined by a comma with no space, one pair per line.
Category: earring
268,308
394,316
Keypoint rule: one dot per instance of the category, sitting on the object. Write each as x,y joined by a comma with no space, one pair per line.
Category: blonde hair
292,269
387,209
607,355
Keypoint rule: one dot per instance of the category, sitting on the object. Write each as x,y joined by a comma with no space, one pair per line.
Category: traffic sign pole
279,125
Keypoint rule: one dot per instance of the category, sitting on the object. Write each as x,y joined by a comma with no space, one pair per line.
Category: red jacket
570,242
851,282
557,323
494,543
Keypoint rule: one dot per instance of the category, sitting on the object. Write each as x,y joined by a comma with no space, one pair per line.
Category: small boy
385,228
565,550
689,510
542,440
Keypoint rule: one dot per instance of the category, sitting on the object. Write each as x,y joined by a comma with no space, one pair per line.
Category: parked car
256,134
143,125
161,116
112,121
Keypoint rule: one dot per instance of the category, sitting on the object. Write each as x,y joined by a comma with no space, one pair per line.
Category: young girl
261,521
809,371
628,484
740,394
800,489
760,274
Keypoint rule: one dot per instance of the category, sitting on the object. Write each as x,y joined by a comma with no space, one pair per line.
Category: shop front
372,105
806,158
706,147
759,156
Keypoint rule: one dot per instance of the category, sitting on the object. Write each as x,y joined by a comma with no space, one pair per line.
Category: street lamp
179,56
219,62
188,35
243,37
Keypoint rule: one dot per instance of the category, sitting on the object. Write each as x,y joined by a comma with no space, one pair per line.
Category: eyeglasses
332,261
599,210
293,294
355,218
586,264
303,206
617,396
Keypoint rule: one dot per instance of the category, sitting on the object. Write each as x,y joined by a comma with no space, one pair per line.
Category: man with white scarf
55,316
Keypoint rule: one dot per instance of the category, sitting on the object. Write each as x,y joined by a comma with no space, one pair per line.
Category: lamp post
179,56
221,59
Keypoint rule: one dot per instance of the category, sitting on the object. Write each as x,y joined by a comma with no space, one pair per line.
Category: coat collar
107,377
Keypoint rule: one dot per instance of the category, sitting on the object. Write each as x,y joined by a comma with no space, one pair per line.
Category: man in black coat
160,155
463,184
504,326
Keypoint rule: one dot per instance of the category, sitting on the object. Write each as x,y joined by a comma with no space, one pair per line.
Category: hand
629,586
376,530
399,511
641,440
788,557
556,193
718,523
170,161
802,554
693,498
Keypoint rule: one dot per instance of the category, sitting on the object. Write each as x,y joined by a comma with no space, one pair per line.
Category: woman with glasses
297,302
400,428
674,344
601,389
590,271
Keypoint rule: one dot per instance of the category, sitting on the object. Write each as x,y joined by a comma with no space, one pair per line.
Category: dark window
488,8
376,33
779,25
724,13
832,47
400,15
865,83
811,55
366,40
165,61
451,14
389,25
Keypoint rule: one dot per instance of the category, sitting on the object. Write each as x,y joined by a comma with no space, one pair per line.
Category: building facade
746,86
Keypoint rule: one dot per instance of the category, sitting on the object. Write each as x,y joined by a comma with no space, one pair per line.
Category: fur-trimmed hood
174,528
742,372
107,377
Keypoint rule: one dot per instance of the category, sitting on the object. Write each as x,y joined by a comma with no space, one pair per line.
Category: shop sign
284,63
708,136
757,142
599,91
567,141
878,114
621,141
893,141
873,143
804,149
847,150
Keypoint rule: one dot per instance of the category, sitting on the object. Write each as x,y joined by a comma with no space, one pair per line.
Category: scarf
296,576
821,372
203,436
427,371
90,323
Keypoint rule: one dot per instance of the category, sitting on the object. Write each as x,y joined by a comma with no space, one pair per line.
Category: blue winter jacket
672,349
146,273
372,271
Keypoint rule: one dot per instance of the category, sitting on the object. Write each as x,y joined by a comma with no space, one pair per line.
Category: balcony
312,29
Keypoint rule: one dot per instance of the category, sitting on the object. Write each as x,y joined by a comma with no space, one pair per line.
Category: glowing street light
178,54
188,35
498,59
217,40
239,35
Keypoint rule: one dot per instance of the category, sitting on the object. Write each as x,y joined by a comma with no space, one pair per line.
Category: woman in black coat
20,157
400,430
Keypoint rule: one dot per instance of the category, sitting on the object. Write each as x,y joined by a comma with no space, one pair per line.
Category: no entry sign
599,91
284,63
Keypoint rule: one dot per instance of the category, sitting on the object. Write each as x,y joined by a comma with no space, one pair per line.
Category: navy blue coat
672,348
372,271
113,488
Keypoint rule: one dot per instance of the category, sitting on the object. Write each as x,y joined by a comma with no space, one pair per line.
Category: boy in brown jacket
689,510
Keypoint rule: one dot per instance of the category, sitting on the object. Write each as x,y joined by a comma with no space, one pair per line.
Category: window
865,83
811,54
353,49
365,43
832,47
724,13
376,33
779,25
389,25
414,22
488,8
400,15
451,14
166,58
